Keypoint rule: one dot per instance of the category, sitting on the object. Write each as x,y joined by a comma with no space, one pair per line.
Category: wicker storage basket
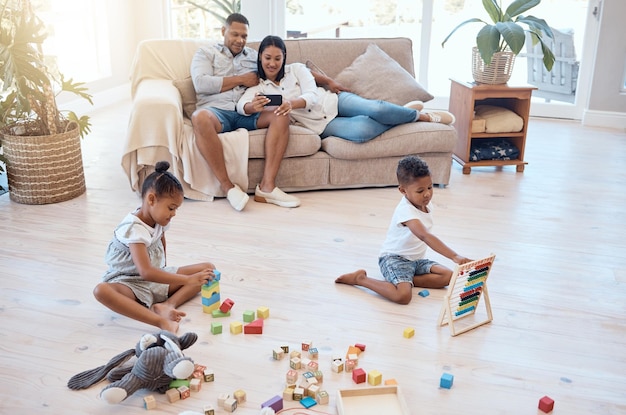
43,169
497,72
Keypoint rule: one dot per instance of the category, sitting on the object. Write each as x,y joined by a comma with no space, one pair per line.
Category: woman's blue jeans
360,119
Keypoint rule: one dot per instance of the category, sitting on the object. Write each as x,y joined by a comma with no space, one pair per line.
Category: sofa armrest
154,128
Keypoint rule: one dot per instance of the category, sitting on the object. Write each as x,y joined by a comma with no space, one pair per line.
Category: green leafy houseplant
28,87
507,32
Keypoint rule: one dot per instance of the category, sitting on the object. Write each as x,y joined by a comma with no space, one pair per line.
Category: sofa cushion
413,138
302,142
188,95
375,75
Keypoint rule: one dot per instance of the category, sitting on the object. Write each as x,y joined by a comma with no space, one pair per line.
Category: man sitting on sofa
220,75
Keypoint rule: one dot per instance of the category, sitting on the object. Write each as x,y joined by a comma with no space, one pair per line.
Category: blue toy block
423,293
446,381
218,275
308,402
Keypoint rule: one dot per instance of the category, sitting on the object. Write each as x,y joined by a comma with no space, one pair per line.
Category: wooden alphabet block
184,391
208,410
195,385
240,396
149,402
230,405
209,375
172,395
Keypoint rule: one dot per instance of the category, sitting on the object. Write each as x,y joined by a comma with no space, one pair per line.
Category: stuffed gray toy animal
159,361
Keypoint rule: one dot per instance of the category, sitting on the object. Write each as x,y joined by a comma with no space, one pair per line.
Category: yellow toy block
409,332
262,312
236,327
390,382
240,396
374,378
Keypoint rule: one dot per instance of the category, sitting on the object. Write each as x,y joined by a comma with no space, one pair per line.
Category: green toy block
248,316
216,328
218,313
177,383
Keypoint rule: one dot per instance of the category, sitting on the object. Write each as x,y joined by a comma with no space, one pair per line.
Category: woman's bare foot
352,278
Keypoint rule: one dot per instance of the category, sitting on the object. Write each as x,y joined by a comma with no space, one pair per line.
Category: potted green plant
40,143
506,35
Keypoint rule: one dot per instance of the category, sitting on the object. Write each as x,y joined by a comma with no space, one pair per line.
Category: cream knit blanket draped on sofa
150,142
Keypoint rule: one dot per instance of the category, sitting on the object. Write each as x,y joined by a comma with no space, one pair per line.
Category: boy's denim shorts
397,269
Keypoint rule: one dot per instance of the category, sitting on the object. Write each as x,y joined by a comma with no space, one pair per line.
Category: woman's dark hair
265,43
411,168
161,181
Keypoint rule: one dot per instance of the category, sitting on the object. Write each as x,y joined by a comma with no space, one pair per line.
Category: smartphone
275,100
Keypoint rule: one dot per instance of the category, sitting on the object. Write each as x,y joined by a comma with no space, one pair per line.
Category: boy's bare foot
169,325
168,312
352,278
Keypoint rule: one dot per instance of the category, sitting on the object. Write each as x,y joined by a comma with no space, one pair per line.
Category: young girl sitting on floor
138,284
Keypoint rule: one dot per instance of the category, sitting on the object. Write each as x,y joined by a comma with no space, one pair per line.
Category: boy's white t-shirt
400,240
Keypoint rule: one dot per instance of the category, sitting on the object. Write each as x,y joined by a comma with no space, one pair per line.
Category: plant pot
43,169
497,72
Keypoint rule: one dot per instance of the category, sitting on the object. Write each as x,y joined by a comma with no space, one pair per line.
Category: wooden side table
464,96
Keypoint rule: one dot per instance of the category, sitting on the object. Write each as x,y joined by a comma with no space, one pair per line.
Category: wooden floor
557,288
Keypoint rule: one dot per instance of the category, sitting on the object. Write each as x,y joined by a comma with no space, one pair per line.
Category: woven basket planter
43,169
497,72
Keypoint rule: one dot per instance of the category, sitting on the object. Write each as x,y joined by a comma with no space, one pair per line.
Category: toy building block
184,391
278,353
295,353
306,346
198,371
312,366
374,378
546,404
221,398
295,363
248,316
210,296
236,327
216,328
276,403
218,275
446,381
285,348
353,356
209,375
217,313
409,332
308,402
291,377
176,383
262,312
349,366
360,346
240,396
149,402
256,327
172,395
195,385
423,293
322,397
230,405
358,375
298,393
288,393
319,376
389,382
226,305
208,410
305,362
313,353
353,350
312,391
336,366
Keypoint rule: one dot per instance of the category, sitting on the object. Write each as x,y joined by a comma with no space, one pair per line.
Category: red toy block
360,346
227,305
256,327
546,404
359,375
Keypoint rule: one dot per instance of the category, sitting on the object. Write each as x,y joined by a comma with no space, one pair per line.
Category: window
200,19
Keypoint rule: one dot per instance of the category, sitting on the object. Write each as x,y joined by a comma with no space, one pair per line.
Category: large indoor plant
506,35
41,145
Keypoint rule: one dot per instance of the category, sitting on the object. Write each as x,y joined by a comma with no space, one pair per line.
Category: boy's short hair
411,168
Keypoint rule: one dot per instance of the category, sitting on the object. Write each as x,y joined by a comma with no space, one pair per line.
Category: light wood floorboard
558,287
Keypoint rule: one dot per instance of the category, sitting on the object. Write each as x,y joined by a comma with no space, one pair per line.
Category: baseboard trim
604,119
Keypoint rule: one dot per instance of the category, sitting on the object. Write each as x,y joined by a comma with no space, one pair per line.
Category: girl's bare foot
352,278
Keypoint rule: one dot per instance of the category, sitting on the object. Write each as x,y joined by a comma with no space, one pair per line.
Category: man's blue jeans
359,119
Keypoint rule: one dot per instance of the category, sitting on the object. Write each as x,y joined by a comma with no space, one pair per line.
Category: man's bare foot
352,278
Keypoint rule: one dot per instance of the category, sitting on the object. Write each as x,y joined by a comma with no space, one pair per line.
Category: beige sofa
158,130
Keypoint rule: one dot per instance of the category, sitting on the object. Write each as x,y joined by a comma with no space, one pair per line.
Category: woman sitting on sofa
344,114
